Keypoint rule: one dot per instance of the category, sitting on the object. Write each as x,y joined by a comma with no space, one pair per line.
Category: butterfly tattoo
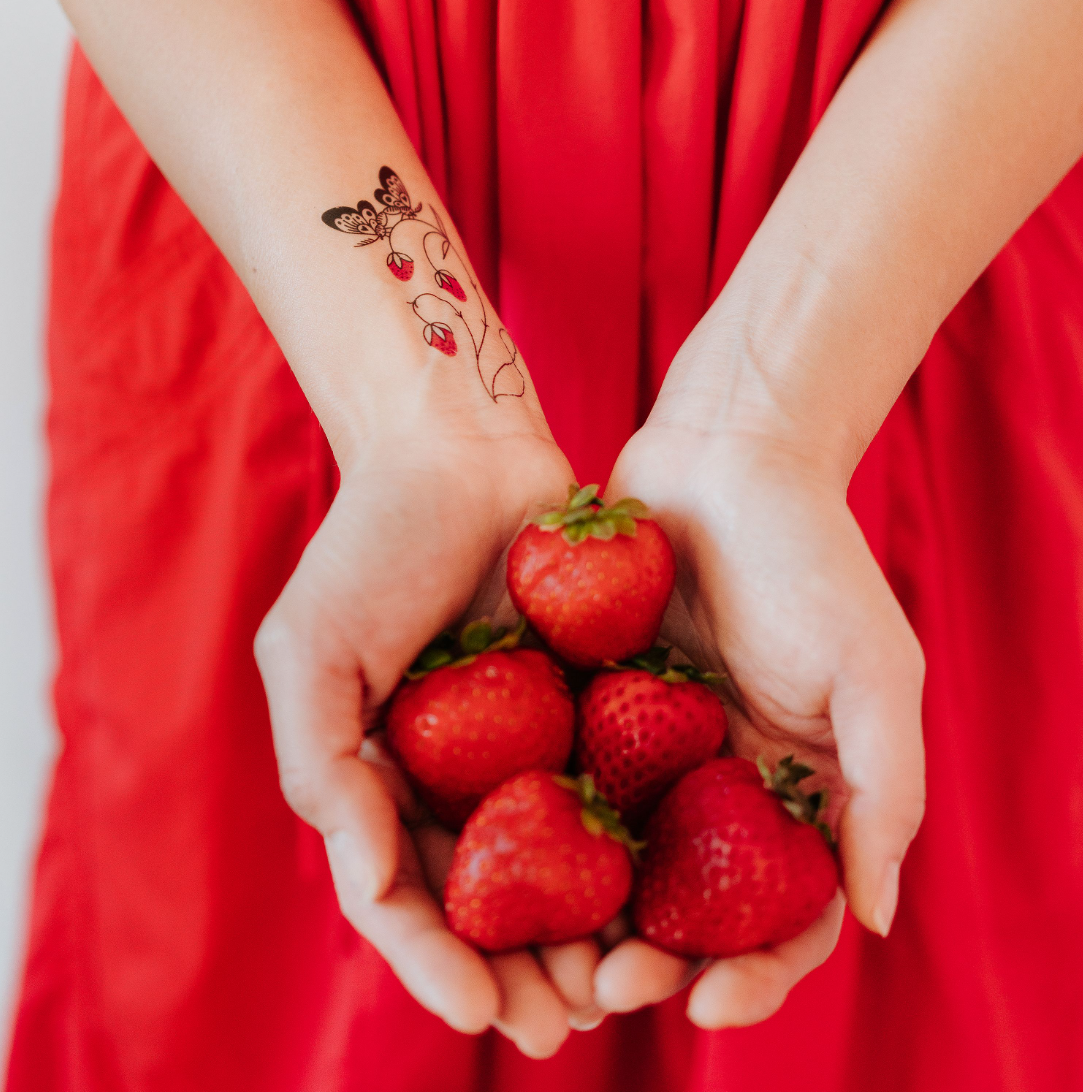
363,220
393,196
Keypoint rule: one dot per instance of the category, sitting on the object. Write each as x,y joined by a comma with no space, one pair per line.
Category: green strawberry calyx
784,783
584,516
598,816
655,660
476,637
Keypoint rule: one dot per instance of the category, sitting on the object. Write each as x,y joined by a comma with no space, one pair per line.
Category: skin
976,107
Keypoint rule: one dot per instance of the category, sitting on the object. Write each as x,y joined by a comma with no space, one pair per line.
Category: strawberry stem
655,660
476,637
784,782
584,516
597,814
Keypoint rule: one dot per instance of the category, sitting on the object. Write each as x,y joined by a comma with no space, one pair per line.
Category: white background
34,40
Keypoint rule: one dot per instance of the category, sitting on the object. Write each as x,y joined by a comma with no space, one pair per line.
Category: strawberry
471,715
593,581
736,860
543,860
641,729
401,265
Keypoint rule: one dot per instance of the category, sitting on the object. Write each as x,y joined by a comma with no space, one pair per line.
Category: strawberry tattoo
496,358
644,726
474,712
593,581
543,860
401,265
450,284
736,860
439,336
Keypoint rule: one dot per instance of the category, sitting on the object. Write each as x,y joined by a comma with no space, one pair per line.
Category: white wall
33,48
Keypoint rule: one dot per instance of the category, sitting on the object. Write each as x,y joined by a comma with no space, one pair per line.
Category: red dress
185,933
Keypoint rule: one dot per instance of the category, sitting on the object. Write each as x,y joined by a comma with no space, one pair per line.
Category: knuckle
910,812
753,989
768,980
272,638
767,988
299,791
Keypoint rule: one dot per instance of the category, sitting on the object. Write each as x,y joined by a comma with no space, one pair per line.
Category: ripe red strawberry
468,718
735,861
543,860
402,265
593,581
642,729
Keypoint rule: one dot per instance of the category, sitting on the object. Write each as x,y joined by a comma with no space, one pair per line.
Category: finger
532,1015
749,988
635,974
407,927
353,803
314,695
570,968
876,717
410,810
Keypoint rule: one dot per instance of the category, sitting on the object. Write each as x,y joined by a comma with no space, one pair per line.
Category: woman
632,187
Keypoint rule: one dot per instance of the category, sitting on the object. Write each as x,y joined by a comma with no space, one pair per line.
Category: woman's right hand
415,539
777,587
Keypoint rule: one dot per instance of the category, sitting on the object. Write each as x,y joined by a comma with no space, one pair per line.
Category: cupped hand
777,587
413,541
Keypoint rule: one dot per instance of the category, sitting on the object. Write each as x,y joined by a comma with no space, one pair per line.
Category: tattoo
438,310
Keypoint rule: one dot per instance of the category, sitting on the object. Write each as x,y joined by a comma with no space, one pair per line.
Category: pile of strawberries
715,855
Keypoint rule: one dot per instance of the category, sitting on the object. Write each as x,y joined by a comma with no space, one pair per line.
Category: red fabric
607,163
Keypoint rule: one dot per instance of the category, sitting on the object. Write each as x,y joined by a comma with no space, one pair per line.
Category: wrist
790,361
388,329
377,384
497,476
428,425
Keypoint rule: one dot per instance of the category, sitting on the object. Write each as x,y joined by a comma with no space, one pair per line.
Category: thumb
354,614
315,694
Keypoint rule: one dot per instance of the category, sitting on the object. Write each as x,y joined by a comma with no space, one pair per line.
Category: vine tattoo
449,307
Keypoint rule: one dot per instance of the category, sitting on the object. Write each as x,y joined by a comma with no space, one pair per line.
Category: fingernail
586,1019
884,913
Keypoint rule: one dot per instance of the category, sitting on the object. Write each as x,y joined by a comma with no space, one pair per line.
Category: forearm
264,114
957,120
